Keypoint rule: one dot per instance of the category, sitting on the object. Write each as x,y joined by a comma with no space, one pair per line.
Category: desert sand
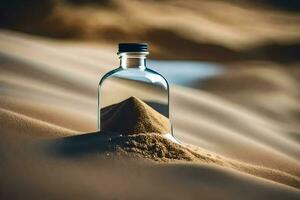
49,148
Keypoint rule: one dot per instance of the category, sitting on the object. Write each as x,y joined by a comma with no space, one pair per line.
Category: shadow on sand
85,144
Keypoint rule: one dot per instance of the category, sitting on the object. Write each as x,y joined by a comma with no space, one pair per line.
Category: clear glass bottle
133,79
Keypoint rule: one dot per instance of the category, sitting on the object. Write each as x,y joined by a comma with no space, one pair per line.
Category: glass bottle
132,79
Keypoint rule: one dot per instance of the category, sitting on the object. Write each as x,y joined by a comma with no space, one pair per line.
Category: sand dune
48,89
248,30
14,123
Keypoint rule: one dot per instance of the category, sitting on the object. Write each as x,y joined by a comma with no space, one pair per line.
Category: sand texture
49,148
133,116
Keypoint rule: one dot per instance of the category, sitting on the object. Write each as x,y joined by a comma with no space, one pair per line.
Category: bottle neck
133,60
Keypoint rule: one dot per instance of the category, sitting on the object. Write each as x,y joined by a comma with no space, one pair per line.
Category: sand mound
133,129
154,147
133,116
150,146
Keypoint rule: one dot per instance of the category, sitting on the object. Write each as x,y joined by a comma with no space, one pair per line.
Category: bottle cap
133,47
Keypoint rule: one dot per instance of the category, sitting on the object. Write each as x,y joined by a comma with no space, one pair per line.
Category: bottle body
139,82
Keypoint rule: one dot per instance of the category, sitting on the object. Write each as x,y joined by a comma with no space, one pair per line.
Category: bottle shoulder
146,75
161,77
109,74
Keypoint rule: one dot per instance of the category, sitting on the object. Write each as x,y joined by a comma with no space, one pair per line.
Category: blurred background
222,31
246,52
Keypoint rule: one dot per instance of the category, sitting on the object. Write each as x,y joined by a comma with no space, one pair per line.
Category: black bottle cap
133,47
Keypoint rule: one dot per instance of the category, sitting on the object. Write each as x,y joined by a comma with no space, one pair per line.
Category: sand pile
133,116
155,147
134,128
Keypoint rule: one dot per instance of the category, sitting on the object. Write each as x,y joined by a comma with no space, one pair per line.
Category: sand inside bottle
134,97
